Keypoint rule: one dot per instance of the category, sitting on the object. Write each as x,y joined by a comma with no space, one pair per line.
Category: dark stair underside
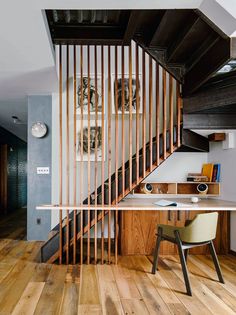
185,41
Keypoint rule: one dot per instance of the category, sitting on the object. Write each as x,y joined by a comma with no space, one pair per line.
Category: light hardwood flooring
28,287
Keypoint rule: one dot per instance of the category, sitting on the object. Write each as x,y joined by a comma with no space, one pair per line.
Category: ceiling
27,59
183,41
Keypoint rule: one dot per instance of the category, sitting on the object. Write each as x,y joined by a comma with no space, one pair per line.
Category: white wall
177,166
227,159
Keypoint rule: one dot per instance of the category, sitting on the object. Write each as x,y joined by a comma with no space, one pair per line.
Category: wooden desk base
138,229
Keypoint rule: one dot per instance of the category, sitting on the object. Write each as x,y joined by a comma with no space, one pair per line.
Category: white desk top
148,204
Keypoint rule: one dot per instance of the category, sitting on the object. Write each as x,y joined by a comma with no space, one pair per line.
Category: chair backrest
201,229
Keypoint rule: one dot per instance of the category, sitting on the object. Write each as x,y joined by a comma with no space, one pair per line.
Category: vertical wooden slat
137,112
130,117
103,152
67,156
123,116
81,154
109,153
150,112
60,155
179,105
75,173
157,116
164,111
89,164
171,112
116,123
144,112
96,155
117,154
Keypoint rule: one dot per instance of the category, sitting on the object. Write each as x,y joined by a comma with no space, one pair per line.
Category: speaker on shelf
147,188
202,188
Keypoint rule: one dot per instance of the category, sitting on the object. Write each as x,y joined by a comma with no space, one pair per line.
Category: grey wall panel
39,154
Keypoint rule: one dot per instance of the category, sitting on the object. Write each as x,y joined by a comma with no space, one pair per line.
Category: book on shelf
197,178
207,170
194,174
216,173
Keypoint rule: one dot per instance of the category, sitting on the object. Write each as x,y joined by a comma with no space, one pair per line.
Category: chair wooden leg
156,251
216,261
183,263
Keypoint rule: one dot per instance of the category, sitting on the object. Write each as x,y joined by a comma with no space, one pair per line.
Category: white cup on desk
194,199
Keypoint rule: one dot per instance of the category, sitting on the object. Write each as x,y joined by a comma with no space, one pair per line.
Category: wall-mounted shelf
184,188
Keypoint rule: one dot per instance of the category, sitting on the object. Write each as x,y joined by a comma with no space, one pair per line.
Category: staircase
182,45
50,250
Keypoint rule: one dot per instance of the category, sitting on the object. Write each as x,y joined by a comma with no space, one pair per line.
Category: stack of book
210,173
197,177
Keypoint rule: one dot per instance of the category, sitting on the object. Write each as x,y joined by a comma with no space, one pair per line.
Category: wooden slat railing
107,113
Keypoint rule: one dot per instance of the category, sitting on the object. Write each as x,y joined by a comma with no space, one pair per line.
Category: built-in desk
147,204
138,227
138,219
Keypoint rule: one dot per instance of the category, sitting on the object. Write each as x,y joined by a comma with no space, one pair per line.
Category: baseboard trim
232,252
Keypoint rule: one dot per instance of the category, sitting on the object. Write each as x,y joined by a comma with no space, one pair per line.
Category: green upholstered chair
200,231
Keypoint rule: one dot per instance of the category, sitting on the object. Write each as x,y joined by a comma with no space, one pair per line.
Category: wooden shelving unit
184,188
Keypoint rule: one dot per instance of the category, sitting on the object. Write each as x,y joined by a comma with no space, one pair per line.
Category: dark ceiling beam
194,141
219,54
189,25
67,16
176,70
55,16
131,27
80,16
201,51
162,28
210,98
105,17
88,41
88,35
93,16
167,29
209,121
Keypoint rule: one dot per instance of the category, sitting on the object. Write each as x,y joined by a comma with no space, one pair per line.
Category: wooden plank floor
28,287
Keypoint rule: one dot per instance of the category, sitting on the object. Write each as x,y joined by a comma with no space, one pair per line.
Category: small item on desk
194,199
169,203
165,203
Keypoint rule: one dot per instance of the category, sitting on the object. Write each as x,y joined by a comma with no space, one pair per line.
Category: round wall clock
39,130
